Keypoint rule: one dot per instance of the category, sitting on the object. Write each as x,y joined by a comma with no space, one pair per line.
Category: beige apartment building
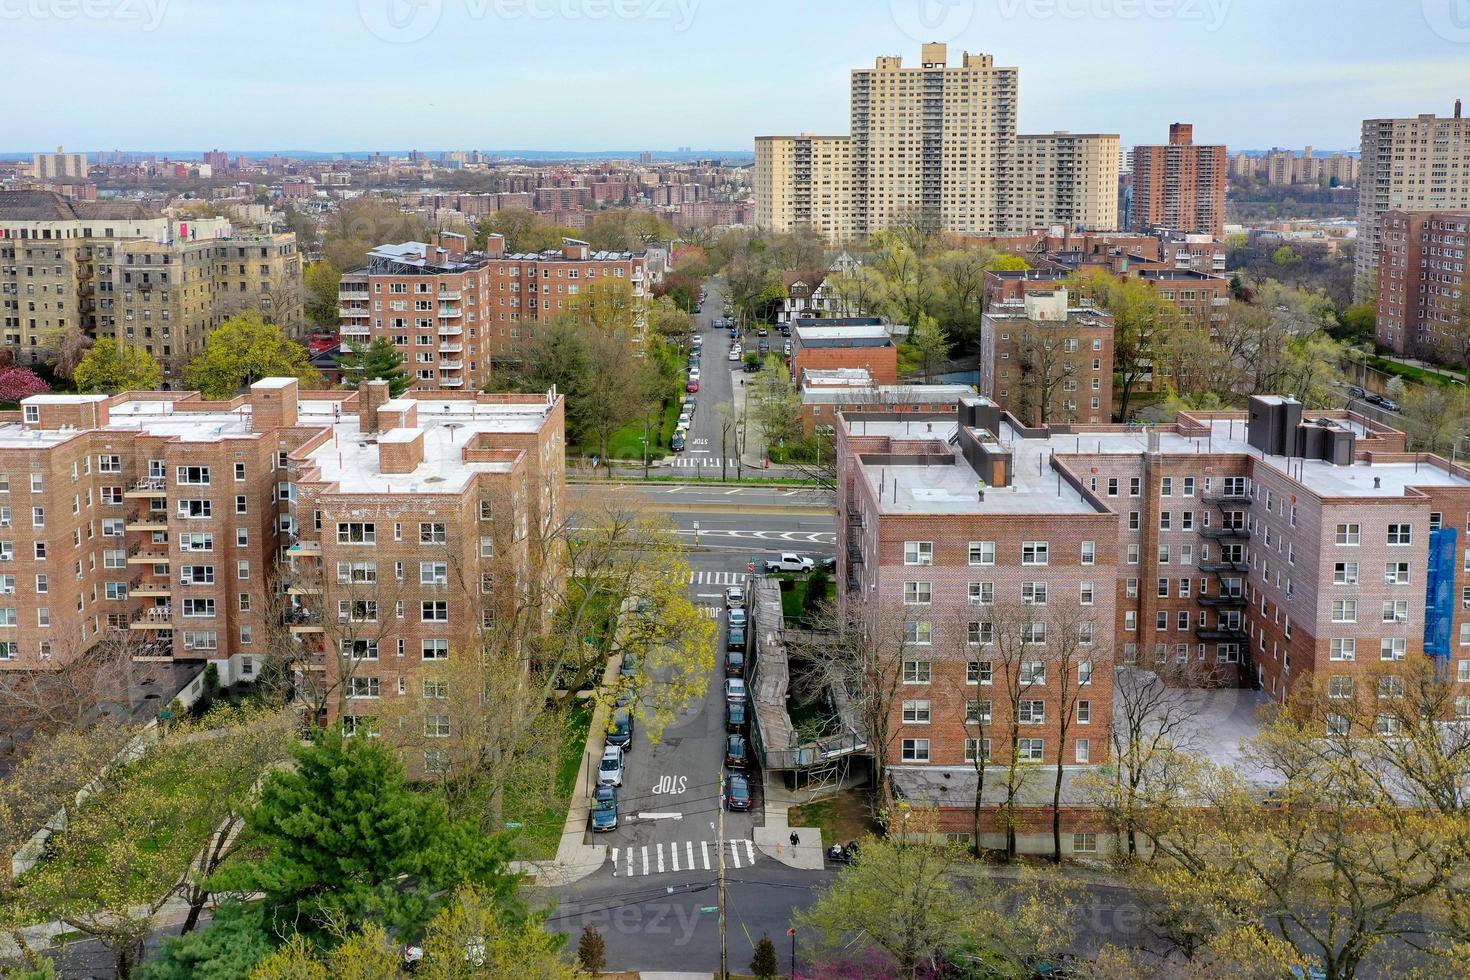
1419,164
805,182
372,535
942,140
113,269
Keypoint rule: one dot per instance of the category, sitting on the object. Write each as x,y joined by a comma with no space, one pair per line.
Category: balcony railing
346,313
1216,533
451,348
451,365
150,484
451,382
153,617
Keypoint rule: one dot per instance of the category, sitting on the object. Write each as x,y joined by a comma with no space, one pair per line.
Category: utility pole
720,843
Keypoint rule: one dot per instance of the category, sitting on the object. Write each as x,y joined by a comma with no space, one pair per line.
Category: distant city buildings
1283,168
1179,185
60,165
1419,164
116,269
940,141
1423,290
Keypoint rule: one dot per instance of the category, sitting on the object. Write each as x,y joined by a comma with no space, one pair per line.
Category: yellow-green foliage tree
112,367
241,351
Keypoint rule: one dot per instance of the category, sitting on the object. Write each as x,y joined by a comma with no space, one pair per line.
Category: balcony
148,522
450,295
350,314
451,382
151,486
451,312
309,549
451,365
153,618
299,619
303,584
1229,600
1238,499
1217,533
1222,634
152,589
1220,301
1239,567
451,348
451,331
154,651
151,554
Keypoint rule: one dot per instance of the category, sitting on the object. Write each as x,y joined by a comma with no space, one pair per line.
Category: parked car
763,331
735,353
620,729
734,333
734,597
1356,391
629,666
829,564
610,770
734,716
735,756
693,384
1388,404
737,792
677,443
735,660
684,421
737,618
734,689
690,404
604,809
752,366
765,347
789,561
735,640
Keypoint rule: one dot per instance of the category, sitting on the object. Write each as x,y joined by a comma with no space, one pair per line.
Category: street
719,378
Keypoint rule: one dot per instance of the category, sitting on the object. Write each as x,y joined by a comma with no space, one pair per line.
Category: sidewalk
774,839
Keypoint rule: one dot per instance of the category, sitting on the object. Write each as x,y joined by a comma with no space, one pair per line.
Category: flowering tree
17,383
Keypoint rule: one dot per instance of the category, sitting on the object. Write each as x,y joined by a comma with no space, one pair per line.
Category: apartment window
977,750
1392,648
109,464
1084,843
433,573
983,672
1112,486
356,572
196,542
1030,749
916,712
1135,486
1396,573
1087,593
1033,593
1084,712
198,608
435,611
1035,553
1347,534
1083,750
915,750
357,611
239,472
1390,687
1343,648
196,574
360,649
1166,487
917,671
980,634
193,476
918,593
433,533
1133,554
362,687
1344,610
1396,611
1089,552
982,552
918,552
918,632
356,532
1189,486
1031,712
982,593
1345,573
978,712
38,483
1130,620
435,649
1400,534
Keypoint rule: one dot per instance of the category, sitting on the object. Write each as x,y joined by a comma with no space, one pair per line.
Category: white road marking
660,816
711,612
674,855
630,860
735,852
706,595
615,862
704,848
689,845
660,859
750,850
645,859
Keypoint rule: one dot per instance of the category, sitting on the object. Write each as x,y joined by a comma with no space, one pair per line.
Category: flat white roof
275,383
64,399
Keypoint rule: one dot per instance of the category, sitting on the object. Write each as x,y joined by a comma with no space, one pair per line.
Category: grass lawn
793,601
841,818
627,442
1410,373
542,821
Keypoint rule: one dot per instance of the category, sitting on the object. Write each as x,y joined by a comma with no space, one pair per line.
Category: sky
357,75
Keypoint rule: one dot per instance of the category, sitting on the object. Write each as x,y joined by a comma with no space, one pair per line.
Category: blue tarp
1439,600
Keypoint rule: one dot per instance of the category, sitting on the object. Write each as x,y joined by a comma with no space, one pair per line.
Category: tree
670,323
932,345
235,941
343,836
1142,323
321,280
17,383
591,950
1436,417
362,224
71,346
113,367
777,404
241,351
378,361
1071,653
763,964
1044,365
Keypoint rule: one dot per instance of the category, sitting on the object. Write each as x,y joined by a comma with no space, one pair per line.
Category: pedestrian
795,838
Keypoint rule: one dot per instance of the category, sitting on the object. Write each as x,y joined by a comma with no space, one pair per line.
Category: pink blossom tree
17,383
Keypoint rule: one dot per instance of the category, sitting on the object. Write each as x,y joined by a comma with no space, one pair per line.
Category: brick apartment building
378,533
1423,291
115,269
1047,361
1200,297
457,311
1180,185
1276,548
852,342
824,393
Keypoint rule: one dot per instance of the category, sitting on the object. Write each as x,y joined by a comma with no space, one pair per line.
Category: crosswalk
717,578
667,858
702,462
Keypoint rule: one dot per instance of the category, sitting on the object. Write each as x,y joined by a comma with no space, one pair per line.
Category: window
1083,749
982,593
1396,573
1112,486
918,593
1084,712
1344,610
116,590
1084,843
192,476
196,575
1345,573
435,611
1347,534
977,750
1390,687
435,649
983,671
918,552
1166,487
1030,749
1088,593
360,649
980,634
1400,534
1033,672
978,712
916,712
982,552
433,573
915,750
1089,552
201,640
109,464
1032,712
355,532
436,726
1034,553
1344,649
356,571
196,509
359,611
198,608
1396,611
1033,593
433,533
917,671
1392,648
918,632
362,687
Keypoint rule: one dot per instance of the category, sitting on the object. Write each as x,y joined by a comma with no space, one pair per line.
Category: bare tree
1072,652
1045,366
1012,643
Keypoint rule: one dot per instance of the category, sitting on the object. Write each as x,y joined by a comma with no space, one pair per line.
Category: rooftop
864,392
842,336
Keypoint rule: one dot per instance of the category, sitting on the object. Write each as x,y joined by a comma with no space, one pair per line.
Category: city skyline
534,73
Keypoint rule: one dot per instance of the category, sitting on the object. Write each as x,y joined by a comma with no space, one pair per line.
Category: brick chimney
400,451
273,404
495,246
451,242
371,396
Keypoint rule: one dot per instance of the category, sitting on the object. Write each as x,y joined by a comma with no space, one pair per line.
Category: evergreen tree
379,361
230,947
763,964
591,951
344,835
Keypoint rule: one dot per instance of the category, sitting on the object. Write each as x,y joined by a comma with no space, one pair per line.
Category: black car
677,443
620,729
734,716
604,809
737,792
829,563
735,664
735,755
1356,392
735,640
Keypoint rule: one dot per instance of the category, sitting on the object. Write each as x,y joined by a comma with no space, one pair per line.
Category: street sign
709,908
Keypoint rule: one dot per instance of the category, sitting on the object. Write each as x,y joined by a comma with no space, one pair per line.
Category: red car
693,385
